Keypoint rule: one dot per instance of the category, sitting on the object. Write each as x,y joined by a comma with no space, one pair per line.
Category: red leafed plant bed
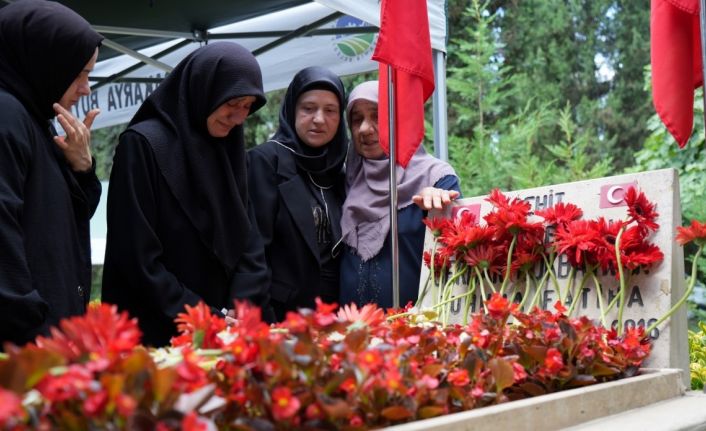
329,368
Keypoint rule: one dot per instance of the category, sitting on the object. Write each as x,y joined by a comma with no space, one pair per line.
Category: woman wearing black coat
48,185
296,185
179,226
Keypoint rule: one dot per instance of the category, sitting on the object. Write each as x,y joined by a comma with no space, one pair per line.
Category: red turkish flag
404,44
676,63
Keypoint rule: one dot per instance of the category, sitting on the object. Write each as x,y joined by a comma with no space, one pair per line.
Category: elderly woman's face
80,86
364,128
230,114
318,115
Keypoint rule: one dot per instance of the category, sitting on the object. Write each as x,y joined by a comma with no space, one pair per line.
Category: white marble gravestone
649,295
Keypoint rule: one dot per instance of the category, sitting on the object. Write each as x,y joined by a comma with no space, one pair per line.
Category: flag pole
393,189
702,27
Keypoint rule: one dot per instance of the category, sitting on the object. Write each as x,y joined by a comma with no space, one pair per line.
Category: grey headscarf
365,222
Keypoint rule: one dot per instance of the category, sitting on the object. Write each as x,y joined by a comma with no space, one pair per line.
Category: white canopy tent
339,48
337,34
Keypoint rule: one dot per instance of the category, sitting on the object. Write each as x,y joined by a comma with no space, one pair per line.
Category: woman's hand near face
432,198
76,144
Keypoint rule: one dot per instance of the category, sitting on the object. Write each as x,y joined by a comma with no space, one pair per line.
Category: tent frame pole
440,120
393,188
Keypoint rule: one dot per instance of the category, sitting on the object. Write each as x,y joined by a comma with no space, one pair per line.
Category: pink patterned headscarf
366,212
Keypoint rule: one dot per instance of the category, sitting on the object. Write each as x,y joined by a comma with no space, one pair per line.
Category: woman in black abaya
296,183
179,229
48,184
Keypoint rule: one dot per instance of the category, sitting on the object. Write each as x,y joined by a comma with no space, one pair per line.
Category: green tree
103,143
628,104
499,135
589,53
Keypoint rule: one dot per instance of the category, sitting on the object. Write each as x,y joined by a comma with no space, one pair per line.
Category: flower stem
533,303
398,315
448,288
528,290
452,299
550,270
572,278
621,294
482,290
467,308
420,300
509,263
579,291
599,292
487,278
689,289
611,304
432,273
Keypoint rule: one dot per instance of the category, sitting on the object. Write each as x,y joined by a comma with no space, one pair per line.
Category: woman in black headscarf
48,185
296,185
179,229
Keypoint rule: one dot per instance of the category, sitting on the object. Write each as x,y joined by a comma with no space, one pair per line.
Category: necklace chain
321,188
317,185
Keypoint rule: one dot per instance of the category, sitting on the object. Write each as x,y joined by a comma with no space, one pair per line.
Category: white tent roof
344,54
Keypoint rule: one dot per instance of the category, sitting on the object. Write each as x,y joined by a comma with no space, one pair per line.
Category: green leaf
356,341
601,370
197,339
427,412
582,380
502,373
533,389
396,413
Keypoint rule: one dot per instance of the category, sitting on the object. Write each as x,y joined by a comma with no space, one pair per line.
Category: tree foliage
511,126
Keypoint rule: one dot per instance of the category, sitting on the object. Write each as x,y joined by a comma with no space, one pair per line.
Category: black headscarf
207,175
43,47
325,163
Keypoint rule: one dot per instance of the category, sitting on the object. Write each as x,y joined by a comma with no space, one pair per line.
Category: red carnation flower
645,255
553,362
199,327
441,262
461,238
486,257
498,199
371,360
519,372
576,238
560,213
284,403
499,307
438,225
370,314
696,232
191,422
102,331
459,377
324,314
641,210
10,409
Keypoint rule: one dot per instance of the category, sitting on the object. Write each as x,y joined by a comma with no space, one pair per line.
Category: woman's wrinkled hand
76,144
432,198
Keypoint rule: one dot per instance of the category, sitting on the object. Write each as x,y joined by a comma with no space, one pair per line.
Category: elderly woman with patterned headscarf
180,226
48,185
424,184
296,183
